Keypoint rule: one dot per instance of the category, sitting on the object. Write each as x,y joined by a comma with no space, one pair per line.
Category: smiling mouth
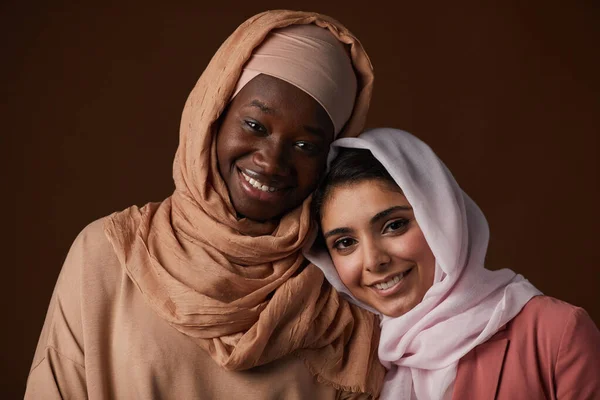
391,282
258,185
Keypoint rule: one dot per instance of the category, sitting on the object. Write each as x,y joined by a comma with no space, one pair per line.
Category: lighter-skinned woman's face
377,246
272,145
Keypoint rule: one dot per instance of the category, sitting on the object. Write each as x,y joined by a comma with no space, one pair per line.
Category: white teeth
258,185
390,283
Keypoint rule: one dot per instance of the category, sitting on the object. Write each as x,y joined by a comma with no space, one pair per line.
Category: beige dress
101,340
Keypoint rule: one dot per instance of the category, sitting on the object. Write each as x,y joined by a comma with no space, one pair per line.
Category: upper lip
274,182
387,278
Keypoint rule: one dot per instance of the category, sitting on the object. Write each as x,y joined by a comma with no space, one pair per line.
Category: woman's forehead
363,199
275,97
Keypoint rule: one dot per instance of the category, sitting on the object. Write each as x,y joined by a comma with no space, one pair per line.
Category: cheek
414,244
229,147
423,255
348,271
310,172
222,145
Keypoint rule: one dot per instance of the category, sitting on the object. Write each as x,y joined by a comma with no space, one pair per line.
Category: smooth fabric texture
467,303
549,351
239,289
102,340
312,59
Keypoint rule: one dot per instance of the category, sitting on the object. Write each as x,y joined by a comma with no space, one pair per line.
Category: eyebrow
262,107
385,213
376,217
337,231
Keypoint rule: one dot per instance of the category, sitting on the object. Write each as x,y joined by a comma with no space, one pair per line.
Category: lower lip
394,289
258,194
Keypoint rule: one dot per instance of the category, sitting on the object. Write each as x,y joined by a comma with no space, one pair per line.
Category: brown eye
308,147
255,126
397,225
343,243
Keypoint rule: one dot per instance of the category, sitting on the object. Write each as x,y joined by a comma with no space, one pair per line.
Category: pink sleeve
577,369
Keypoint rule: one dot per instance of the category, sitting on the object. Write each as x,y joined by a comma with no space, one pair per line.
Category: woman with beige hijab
206,295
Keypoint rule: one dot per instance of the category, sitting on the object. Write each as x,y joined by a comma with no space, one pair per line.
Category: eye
395,226
308,147
255,126
344,243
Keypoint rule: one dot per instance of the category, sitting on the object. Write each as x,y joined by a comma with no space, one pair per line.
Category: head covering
312,59
467,303
241,289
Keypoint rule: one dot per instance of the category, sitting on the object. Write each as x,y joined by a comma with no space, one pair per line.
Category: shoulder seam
34,367
64,356
53,301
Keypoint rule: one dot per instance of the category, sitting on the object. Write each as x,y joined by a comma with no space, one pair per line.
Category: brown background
507,95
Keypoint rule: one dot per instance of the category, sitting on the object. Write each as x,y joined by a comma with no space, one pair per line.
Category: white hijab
467,303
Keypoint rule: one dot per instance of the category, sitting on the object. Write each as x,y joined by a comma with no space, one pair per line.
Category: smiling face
272,145
377,246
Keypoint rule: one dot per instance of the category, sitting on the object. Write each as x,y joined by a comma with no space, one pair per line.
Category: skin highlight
272,145
377,246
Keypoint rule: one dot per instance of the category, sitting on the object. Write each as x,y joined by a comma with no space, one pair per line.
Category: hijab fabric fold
467,303
295,54
241,289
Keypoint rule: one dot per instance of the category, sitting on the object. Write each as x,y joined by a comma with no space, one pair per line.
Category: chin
259,218
395,312
256,215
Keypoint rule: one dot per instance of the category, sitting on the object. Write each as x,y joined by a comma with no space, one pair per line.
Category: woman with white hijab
399,237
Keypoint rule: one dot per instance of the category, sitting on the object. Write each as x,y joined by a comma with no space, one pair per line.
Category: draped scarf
242,289
467,303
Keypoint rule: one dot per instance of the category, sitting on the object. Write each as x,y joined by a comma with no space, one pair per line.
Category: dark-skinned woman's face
272,145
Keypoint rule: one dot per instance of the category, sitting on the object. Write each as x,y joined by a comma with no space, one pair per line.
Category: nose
375,256
273,158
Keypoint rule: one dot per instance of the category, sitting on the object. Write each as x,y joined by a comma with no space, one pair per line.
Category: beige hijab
241,289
